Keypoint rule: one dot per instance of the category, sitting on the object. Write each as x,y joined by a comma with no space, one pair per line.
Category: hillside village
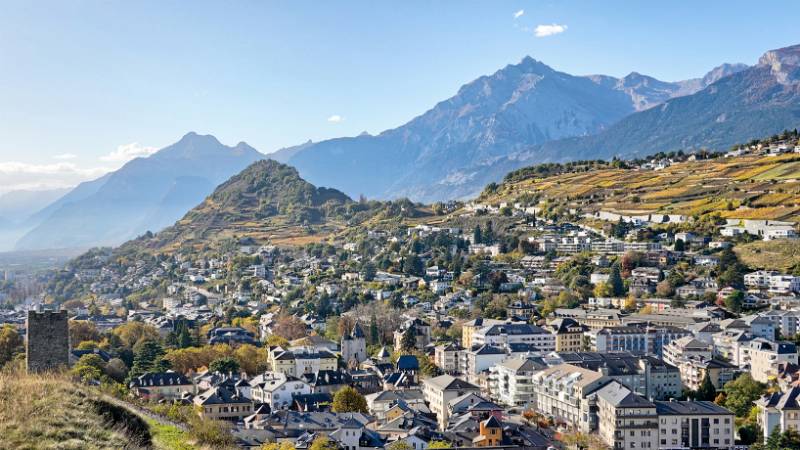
497,323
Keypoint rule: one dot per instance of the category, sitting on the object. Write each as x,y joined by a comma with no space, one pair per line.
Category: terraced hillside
745,187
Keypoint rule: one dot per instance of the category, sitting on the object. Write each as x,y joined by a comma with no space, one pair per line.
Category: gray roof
622,397
686,408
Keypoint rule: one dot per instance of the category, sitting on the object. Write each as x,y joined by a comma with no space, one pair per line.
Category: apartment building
626,420
765,355
684,348
562,392
446,357
510,382
439,391
694,425
503,335
569,334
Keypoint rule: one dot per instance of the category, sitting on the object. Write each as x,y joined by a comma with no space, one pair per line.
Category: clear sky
85,85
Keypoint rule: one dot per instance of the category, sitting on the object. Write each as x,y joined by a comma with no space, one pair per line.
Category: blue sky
85,85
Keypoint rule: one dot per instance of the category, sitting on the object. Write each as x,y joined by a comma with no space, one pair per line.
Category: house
439,391
220,403
161,385
277,389
297,363
781,410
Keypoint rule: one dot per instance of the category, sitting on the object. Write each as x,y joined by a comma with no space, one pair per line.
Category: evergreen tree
148,357
615,281
409,340
374,333
707,391
477,235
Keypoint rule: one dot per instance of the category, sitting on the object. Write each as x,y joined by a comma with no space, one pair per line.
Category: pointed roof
492,422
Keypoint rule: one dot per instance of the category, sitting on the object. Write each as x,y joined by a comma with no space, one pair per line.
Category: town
499,326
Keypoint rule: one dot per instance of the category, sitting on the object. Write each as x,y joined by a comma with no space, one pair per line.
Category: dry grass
770,255
50,412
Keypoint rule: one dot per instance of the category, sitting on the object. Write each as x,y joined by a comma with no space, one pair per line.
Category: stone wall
47,340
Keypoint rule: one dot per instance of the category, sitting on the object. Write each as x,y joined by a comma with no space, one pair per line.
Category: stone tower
47,340
354,346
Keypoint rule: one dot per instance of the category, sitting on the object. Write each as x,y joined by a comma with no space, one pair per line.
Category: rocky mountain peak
784,64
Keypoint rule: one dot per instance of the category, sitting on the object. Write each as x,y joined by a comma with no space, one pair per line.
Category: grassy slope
769,184
49,412
771,255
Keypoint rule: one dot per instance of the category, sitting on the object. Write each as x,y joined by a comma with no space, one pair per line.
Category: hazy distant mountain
16,209
145,194
18,206
489,119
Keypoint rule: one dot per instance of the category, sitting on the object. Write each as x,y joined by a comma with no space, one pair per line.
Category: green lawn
167,437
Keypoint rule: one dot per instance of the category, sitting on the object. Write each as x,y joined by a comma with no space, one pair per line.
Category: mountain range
146,194
440,155
523,114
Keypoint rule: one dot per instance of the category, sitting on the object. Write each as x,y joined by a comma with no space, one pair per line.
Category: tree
741,393
477,235
285,445
665,289
615,280
89,367
289,327
251,359
434,445
83,330
679,245
274,340
629,304
603,290
148,357
323,443
116,369
409,339
132,332
789,439
348,399
734,301
707,391
225,364
399,445
11,344
413,265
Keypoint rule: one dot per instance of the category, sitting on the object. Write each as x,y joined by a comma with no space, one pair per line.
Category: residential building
439,391
502,335
626,420
765,356
569,334
694,425
779,412
510,381
562,392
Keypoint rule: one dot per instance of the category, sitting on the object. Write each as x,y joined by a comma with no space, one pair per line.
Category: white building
510,382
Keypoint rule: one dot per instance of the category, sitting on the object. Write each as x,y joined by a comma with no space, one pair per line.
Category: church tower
354,346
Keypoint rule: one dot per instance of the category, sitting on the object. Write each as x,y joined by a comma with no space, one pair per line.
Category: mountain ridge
145,194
